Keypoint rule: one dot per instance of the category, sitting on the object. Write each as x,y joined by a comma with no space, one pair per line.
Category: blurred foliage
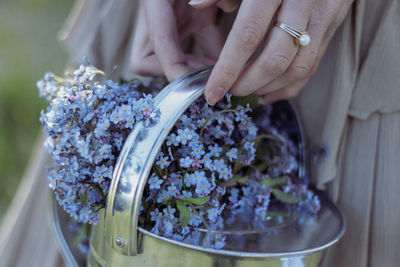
28,48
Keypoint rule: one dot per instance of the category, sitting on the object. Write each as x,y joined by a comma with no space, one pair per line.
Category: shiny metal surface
58,225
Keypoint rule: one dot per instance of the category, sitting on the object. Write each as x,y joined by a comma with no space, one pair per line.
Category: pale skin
278,72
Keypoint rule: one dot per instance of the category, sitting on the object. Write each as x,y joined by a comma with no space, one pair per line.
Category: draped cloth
351,105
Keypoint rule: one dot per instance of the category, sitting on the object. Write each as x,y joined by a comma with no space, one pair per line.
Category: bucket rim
241,254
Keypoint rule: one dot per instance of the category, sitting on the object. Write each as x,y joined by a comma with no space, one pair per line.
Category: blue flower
197,152
252,130
163,195
155,215
184,136
85,214
171,140
118,142
212,214
169,212
168,228
215,150
185,162
163,162
203,188
207,161
116,116
155,182
173,191
232,154
98,175
217,131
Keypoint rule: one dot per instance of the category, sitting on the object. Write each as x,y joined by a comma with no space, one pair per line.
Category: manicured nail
196,2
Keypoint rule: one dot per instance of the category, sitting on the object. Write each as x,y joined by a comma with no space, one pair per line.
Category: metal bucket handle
137,158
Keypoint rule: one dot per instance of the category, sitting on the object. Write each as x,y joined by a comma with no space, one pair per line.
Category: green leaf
253,100
197,201
242,179
271,182
285,197
236,179
184,213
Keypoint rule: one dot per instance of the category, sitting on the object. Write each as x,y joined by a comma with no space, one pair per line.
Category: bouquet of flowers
216,166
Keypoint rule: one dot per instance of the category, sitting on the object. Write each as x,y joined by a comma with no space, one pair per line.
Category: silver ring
302,38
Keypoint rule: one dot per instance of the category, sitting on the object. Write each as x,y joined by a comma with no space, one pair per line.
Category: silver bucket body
118,241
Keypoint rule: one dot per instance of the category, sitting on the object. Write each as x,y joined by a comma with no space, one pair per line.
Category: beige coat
351,105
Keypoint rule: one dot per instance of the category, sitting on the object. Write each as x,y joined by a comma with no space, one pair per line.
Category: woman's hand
162,27
282,68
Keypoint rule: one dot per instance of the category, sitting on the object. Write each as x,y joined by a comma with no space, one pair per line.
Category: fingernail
196,2
213,96
209,99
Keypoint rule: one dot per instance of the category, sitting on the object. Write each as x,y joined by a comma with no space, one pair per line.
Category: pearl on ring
302,38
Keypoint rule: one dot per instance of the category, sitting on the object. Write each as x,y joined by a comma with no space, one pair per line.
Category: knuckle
250,35
276,64
300,71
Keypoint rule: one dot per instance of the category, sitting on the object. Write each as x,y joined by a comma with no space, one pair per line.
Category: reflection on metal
59,225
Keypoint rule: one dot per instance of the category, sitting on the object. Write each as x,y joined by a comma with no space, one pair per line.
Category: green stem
201,217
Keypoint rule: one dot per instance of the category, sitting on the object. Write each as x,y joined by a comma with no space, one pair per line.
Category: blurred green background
28,48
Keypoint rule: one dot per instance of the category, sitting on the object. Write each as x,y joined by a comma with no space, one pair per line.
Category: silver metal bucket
118,241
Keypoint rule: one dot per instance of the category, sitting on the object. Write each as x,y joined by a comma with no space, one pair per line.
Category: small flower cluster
86,124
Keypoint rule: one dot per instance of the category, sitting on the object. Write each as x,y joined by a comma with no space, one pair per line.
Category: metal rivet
119,242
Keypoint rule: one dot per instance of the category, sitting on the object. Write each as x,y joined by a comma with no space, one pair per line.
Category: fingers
303,65
284,93
161,23
142,58
286,87
322,26
279,52
248,30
